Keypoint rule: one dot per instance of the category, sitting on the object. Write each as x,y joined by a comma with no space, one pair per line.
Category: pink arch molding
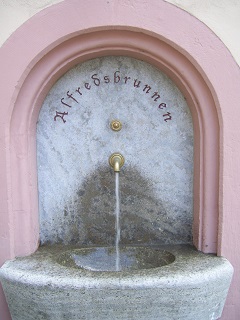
56,39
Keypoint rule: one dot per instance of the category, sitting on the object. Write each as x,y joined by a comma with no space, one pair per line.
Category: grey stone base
194,286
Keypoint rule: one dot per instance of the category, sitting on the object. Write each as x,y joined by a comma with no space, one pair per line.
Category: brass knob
116,125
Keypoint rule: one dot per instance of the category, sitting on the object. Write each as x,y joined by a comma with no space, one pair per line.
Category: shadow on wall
90,218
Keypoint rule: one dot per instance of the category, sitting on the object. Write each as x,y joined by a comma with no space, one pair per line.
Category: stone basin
105,258
51,285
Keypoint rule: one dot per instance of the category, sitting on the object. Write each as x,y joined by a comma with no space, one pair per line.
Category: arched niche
51,42
128,43
160,34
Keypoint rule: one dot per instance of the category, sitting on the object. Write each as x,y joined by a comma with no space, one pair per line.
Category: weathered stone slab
194,286
74,141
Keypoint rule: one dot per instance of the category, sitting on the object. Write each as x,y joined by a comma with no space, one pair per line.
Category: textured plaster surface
16,12
221,16
194,286
76,183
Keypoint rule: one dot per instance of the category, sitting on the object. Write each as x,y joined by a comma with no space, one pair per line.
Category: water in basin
104,258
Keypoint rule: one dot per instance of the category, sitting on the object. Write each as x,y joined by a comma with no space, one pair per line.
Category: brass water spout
116,161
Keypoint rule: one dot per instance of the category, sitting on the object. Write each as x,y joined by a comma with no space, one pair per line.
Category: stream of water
117,221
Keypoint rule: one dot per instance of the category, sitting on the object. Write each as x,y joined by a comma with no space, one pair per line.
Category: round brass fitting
116,161
116,125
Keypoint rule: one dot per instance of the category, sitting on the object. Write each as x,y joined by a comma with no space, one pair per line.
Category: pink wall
73,31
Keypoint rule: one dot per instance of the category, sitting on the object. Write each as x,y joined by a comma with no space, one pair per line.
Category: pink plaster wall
47,45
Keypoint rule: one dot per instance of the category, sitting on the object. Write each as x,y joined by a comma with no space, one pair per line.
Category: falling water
117,223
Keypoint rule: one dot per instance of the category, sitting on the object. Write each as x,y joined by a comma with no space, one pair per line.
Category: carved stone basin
170,282
104,258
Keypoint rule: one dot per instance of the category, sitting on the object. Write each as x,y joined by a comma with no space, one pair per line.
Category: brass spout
116,161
